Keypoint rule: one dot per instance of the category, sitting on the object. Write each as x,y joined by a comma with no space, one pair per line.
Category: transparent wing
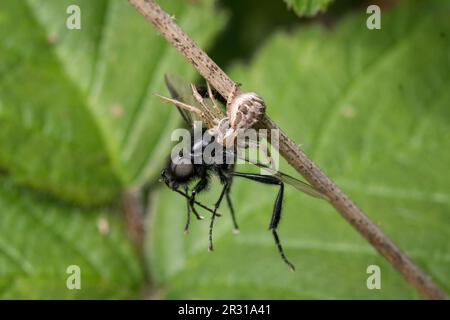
180,90
298,184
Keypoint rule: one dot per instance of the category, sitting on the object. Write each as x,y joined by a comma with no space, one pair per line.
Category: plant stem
293,154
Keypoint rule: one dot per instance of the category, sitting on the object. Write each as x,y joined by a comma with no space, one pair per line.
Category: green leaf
307,7
77,113
40,239
78,125
371,108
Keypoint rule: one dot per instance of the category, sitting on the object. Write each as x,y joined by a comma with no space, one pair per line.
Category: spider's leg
208,116
276,215
232,94
182,105
217,111
205,93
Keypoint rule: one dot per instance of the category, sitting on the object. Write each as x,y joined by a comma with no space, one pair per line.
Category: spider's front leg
232,94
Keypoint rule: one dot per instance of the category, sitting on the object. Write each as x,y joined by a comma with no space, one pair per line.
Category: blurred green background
82,141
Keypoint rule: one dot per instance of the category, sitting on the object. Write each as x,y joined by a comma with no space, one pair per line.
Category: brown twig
292,153
132,214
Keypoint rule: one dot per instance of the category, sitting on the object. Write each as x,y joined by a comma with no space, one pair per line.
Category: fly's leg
201,185
233,216
276,215
191,203
226,179
230,205
216,206
188,211
185,195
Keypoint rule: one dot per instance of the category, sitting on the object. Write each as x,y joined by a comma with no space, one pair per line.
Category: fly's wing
180,90
203,99
298,184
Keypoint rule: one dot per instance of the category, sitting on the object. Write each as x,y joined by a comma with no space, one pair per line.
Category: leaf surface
77,113
40,239
78,125
307,7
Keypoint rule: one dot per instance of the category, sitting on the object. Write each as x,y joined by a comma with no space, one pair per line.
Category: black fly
181,172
